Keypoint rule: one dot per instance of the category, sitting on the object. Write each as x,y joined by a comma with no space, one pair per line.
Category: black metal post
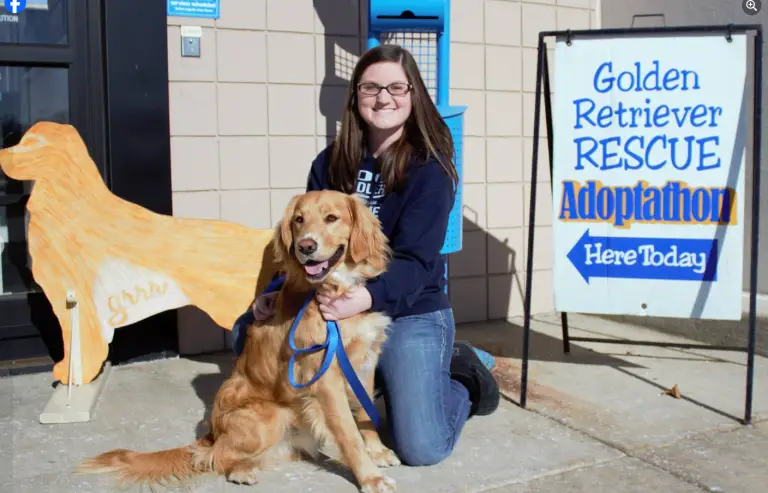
756,144
531,224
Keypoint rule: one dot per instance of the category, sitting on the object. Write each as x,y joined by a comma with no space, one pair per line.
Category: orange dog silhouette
124,262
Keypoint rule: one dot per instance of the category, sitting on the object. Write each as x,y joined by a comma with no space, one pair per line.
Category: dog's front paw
246,477
381,484
381,455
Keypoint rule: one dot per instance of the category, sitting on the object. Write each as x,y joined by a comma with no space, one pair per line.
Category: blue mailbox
423,28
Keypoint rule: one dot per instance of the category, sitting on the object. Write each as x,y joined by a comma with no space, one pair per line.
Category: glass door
27,95
44,76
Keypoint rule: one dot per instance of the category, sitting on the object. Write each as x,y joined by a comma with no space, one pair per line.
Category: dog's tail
177,465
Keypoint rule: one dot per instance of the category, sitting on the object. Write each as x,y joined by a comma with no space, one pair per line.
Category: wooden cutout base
79,407
125,263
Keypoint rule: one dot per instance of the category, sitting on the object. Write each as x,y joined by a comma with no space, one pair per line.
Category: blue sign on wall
210,9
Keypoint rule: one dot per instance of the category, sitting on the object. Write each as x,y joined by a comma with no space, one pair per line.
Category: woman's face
384,111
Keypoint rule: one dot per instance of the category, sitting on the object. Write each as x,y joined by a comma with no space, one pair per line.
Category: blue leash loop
333,346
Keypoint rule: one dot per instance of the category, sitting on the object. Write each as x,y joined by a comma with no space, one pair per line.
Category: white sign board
648,179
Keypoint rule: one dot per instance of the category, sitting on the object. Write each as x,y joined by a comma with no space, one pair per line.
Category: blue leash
333,346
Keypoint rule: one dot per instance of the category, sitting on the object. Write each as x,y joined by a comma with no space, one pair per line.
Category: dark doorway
68,61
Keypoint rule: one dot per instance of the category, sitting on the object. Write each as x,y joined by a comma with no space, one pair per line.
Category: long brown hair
425,135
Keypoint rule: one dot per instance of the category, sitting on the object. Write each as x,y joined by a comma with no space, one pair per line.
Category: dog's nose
307,246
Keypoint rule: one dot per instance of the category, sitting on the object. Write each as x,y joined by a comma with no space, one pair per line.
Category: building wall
264,98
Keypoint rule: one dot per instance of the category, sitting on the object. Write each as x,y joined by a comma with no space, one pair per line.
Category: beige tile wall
250,114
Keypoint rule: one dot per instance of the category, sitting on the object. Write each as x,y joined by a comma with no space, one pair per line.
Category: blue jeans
426,409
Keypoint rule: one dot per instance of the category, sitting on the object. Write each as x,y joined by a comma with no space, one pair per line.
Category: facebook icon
15,6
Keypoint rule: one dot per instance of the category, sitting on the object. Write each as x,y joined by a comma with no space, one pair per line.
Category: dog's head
46,150
330,238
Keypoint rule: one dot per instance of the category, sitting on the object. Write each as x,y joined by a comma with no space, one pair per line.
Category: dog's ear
367,242
283,236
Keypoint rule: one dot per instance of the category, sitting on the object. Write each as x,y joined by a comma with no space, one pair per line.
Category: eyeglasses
395,89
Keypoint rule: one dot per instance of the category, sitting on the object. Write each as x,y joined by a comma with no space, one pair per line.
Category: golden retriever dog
326,242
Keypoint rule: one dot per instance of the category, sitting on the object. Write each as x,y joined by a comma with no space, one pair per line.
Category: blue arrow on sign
673,259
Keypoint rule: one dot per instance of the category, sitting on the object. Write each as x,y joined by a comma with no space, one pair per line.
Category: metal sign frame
542,78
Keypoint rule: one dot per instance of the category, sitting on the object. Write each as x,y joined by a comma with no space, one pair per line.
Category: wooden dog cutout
329,242
124,262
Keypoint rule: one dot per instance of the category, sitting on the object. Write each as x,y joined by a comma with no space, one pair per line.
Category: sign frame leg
542,76
755,229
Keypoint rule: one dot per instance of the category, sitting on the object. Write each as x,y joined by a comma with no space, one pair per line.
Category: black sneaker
468,369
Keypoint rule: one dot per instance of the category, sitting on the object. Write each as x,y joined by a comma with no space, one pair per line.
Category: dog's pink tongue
314,270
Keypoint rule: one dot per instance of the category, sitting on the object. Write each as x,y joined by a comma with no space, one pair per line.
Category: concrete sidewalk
596,421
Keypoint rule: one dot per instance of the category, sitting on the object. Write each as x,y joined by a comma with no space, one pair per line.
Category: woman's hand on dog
348,305
264,306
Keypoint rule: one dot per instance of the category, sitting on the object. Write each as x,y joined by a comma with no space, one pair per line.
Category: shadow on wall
487,276
342,47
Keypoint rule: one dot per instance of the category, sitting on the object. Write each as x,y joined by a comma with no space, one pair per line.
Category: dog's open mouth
317,269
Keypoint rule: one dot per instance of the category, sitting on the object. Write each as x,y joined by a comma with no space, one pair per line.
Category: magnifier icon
751,5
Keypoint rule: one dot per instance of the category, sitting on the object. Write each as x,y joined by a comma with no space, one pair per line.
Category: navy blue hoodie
414,219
